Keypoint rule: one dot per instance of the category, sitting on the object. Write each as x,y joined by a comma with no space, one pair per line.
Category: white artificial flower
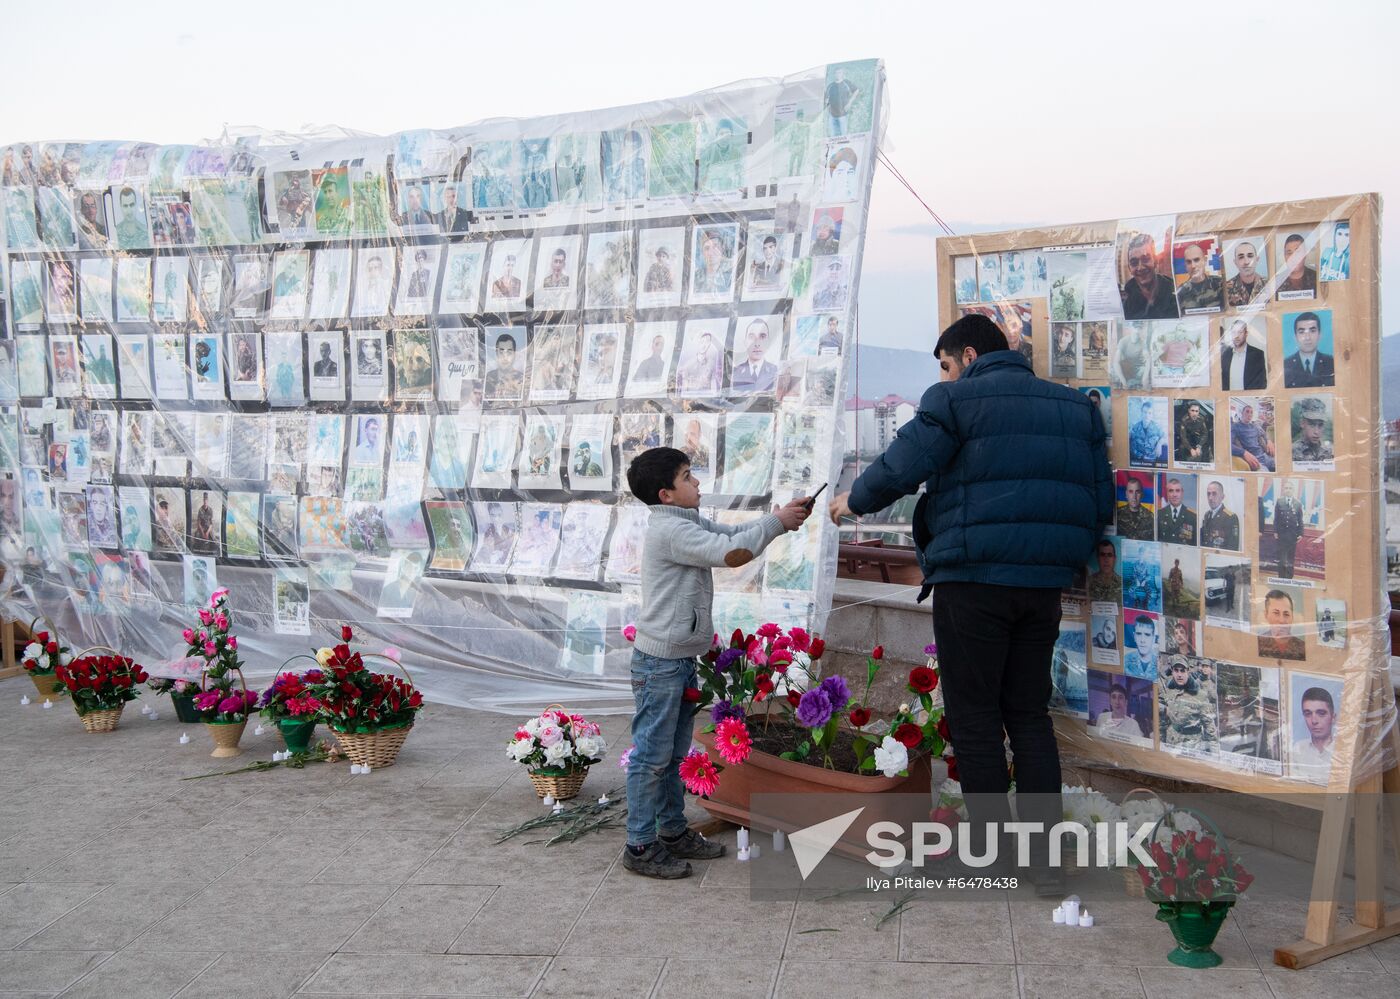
65,658
891,756
532,726
557,753
1089,807
520,749
591,746
33,651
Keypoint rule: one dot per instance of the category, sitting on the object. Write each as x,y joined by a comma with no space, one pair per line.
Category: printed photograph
1120,708
1297,252
1069,673
843,172
1181,582
95,285
133,290
1181,353
327,352
497,526
590,453
496,452
1250,720
374,278
751,370
578,178
556,274
494,174
1331,623
506,275
1280,623
768,262
1252,434
418,270
61,301
461,281
1336,252
554,354
291,284
451,528
1064,350
1130,351
700,372
458,363
671,170
279,520
1292,529
714,255
696,434
1188,707
286,367
171,289
401,584
538,541
99,371
1246,271
1196,266
608,270
652,354
1222,520
1145,268
291,602
505,365
250,286
1313,703
206,366
1093,350
624,164
200,579
1142,575
1147,431
1308,360
540,467
720,150
1142,641
413,365
830,288
1176,509
660,256
582,533
1193,433
1182,637
241,526
330,284
369,370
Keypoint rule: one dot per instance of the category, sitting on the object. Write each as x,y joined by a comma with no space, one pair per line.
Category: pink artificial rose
205,617
218,595
233,641
392,652
188,635
758,657
221,620
629,632
550,734
210,648
181,686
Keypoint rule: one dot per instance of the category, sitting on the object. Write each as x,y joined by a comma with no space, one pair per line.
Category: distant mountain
1390,377
889,370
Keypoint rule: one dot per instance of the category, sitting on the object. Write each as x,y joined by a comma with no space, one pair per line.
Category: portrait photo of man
325,365
1176,520
1309,366
769,270
1135,518
1116,719
660,276
415,213
1201,288
584,464
453,217
1220,526
1186,704
1301,279
372,285
832,289
557,277
1105,584
132,229
1147,294
505,381
712,273
1336,257
1289,521
1147,437
1248,283
1242,365
754,372
369,440
420,281
1140,659
837,99
1195,432
1310,755
826,233
1277,640
1251,440
652,368
1312,415
506,283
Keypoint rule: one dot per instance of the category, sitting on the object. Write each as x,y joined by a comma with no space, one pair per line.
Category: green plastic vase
1195,926
296,733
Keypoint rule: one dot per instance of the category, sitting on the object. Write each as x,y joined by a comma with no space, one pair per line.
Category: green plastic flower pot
184,708
1195,926
296,733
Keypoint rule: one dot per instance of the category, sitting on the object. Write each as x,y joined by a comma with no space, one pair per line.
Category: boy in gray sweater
677,593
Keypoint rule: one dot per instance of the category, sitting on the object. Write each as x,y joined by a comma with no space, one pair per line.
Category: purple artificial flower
723,709
836,691
728,658
930,649
814,709
625,759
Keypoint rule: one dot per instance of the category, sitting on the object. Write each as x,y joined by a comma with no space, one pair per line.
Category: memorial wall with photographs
401,380
1231,624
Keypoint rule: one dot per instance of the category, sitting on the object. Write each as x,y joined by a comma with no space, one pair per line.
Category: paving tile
422,919
600,976
382,856
1388,953
521,921
112,918
247,975
733,924
427,975
45,971
881,979
1317,981
926,930
1172,983
256,917
134,974
28,908
202,856
852,926
1048,981
718,979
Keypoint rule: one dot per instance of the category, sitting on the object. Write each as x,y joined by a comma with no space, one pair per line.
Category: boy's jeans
661,733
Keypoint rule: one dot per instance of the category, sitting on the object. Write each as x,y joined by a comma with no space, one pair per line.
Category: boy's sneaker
691,844
655,862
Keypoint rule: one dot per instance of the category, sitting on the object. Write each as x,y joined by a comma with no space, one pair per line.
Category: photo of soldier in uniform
1250,719
602,360
1142,575
1252,439
714,253
1312,725
279,519
1147,431
206,520
539,458
505,367
1299,265
497,525
1187,715
671,171
250,286
830,289
461,281
1182,637
1311,420
624,165
452,534
1136,515
1120,708
768,265
129,222
653,348
1307,350
556,274
493,175
1064,350
1246,271
373,280
1292,529
1142,641
61,304
751,372
1221,519
608,269
1093,350
720,152
291,191
660,255
578,178
700,372
1280,618
1194,433
1181,582
1176,513
553,362
1331,623
95,286
1196,266
133,290
1069,672
413,365
418,270
200,579
1105,585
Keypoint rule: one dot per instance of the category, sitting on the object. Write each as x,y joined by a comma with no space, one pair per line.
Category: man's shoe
692,845
655,862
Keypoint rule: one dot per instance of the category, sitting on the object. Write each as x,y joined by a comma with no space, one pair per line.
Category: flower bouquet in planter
1194,883
181,695
557,748
370,713
291,706
100,684
223,710
41,659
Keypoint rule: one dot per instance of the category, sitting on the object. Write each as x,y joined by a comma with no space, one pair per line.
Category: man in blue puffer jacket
1018,491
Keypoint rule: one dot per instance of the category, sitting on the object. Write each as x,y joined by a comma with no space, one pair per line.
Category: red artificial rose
818,647
952,762
860,716
1145,873
51,648
1205,887
909,734
345,633
415,699
763,684
922,680
794,698
691,695
142,676
1182,869
1243,879
42,637
736,640
943,730
878,652
1204,848
341,651
1159,854
1167,887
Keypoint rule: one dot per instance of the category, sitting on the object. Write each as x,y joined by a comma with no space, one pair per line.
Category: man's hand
1251,461
840,507
792,515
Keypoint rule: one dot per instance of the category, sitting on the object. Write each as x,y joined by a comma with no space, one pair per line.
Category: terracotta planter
46,684
226,736
764,773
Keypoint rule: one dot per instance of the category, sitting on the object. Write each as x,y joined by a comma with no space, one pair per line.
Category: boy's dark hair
975,331
653,470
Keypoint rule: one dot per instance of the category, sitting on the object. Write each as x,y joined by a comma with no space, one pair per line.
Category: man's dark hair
1119,688
975,331
1278,595
503,338
653,470
1318,694
1306,317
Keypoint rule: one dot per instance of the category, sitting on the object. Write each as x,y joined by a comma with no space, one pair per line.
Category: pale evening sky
1001,114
